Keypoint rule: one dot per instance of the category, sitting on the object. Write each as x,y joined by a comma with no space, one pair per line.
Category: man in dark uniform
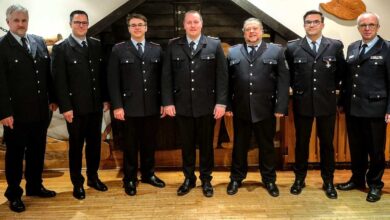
194,89
80,82
316,67
259,82
25,94
134,73
367,106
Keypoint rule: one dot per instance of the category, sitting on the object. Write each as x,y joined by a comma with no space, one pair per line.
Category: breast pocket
234,67
126,60
270,65
207,57
155,60
299,64
178,62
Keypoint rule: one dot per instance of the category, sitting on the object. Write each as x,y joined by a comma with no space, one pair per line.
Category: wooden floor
251,202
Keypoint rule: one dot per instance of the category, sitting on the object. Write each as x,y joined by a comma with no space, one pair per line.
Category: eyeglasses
251,29
85,23
137,25
314,23
369,26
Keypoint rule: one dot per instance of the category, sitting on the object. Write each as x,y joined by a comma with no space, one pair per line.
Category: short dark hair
135,15
314,12
193,12
77,12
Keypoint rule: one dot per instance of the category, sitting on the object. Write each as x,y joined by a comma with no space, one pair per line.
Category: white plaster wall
290,14
50,17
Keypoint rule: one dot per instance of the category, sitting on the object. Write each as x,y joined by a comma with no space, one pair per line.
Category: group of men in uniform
194,83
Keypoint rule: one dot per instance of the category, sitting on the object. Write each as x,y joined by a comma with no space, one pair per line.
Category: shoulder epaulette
215,38
120,43
59,42
153,43
279,45
94,39
290,41
172,39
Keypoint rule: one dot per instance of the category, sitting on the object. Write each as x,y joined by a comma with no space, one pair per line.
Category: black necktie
24,43
252,52
314,48
192,44
84,44
363,51
139,48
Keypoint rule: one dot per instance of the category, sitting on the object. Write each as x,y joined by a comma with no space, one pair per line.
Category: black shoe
41,192
17,205
207,188
350,185
79,192
374,195
297,187
154,181
130,188
272,189
330,191
233,186
186,187
97,184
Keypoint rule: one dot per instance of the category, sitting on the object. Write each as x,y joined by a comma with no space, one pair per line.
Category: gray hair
252,20
366,14
15,8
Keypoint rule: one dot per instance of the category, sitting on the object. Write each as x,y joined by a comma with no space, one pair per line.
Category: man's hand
53,107
170,110
68,116
279,115
119,114
387,118
162,112
219,111
8,122
106,106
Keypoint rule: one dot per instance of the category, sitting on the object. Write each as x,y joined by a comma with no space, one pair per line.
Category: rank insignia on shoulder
216,38
94,39
153,43
59,42
290,41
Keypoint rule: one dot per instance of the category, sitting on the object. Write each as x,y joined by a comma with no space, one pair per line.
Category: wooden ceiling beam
114,16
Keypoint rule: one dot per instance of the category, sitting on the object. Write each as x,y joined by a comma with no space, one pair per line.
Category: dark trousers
26,140
264,132
325,133
139,133
192,129
367,137
84,128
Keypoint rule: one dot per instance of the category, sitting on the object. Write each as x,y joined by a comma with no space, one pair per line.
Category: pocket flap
270,61
155,60
127,60
207,56
234,62
329,58
300,60
377,95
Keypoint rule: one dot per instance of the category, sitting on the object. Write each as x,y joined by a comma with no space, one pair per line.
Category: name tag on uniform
376,58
